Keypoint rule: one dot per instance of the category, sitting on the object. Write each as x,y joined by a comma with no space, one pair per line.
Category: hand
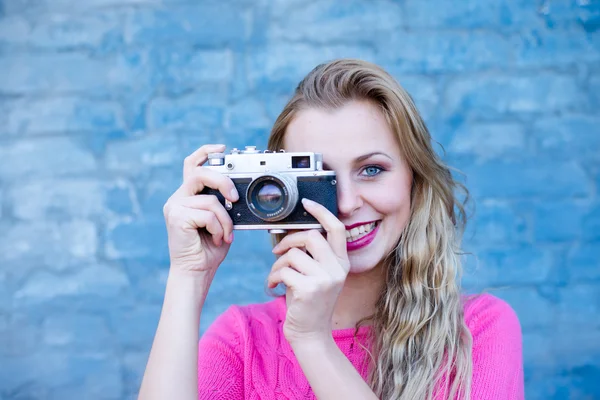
199,229
316,280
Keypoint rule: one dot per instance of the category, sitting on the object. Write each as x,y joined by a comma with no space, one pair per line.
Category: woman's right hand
200,231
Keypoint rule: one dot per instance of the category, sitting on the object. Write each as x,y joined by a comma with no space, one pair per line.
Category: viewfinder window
300,161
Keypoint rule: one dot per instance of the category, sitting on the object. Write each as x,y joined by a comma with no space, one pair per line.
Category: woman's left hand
314,280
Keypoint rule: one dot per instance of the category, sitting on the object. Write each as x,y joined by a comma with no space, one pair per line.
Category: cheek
388,203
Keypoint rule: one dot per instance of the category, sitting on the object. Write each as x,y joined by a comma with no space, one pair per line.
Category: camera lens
269,197
272,197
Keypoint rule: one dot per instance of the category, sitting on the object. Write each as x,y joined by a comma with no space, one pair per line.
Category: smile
361,235
359,231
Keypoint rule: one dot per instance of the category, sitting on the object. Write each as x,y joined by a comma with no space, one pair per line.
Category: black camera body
271,185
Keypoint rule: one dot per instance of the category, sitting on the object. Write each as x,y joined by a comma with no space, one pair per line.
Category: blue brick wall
100,101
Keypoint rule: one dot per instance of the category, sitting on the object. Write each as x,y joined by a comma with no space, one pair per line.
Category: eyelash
381,169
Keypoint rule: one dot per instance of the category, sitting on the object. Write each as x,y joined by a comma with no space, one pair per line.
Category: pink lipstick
363,241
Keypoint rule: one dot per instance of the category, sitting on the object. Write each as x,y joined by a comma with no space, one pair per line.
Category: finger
312,240
212,225
204,177
289,277
336,231
211,203
199,157
299,261
192,218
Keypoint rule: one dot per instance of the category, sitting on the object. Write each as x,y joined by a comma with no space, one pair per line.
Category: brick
58,199
498,267
134,365
188,113
568,137
98,74
36,158
247,113
594,90
579,306
135,329
246,136
96,280
533,309
59,115
184,69
495,223
491,140
499,179
28,7
538,349
42,244
82,369
578,383
573,14
76,332
207,24
155,193
19,334
433,52
591,224
423,91
330,21
279,68
71,198
27,73
121,199
493,96
559,350
139,154
63,32
539,48
559,221
145,239
191,141
3,201
472,14
583,263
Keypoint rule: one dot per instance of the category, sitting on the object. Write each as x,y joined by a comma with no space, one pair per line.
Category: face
374,180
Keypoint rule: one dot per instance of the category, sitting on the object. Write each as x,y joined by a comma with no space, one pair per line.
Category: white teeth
358,232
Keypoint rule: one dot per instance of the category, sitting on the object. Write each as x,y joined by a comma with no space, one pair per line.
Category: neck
358,298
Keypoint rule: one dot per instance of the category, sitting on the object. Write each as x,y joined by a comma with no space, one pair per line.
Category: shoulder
493,323
497,348
484,312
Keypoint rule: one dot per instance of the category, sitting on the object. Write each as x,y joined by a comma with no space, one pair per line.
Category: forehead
357,128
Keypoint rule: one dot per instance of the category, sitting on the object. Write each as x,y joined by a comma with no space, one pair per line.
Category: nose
349,198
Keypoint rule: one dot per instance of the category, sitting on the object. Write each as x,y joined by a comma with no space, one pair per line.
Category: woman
373,307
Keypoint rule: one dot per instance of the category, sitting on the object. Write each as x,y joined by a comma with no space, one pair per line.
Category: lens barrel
272,197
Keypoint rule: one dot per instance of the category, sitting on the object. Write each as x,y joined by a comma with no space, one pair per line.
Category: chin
363,263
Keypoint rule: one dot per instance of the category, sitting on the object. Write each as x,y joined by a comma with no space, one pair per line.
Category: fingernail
307,202
234,195
231,237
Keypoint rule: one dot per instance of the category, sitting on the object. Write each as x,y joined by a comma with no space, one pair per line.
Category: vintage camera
271,185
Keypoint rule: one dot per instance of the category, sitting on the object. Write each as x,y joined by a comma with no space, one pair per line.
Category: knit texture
244,354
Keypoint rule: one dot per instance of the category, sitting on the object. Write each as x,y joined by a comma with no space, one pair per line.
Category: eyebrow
362,158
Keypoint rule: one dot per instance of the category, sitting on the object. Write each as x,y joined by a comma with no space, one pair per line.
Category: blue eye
372,170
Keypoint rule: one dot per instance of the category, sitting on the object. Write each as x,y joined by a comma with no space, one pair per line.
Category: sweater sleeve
497,350
220,365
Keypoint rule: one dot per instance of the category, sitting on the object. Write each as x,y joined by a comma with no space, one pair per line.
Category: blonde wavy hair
421,346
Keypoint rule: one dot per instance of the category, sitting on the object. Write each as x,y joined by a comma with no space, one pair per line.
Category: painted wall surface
100,101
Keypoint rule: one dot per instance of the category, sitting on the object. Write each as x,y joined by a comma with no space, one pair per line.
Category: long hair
420,344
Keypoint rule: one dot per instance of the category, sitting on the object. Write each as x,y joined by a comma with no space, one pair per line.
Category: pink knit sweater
244,354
